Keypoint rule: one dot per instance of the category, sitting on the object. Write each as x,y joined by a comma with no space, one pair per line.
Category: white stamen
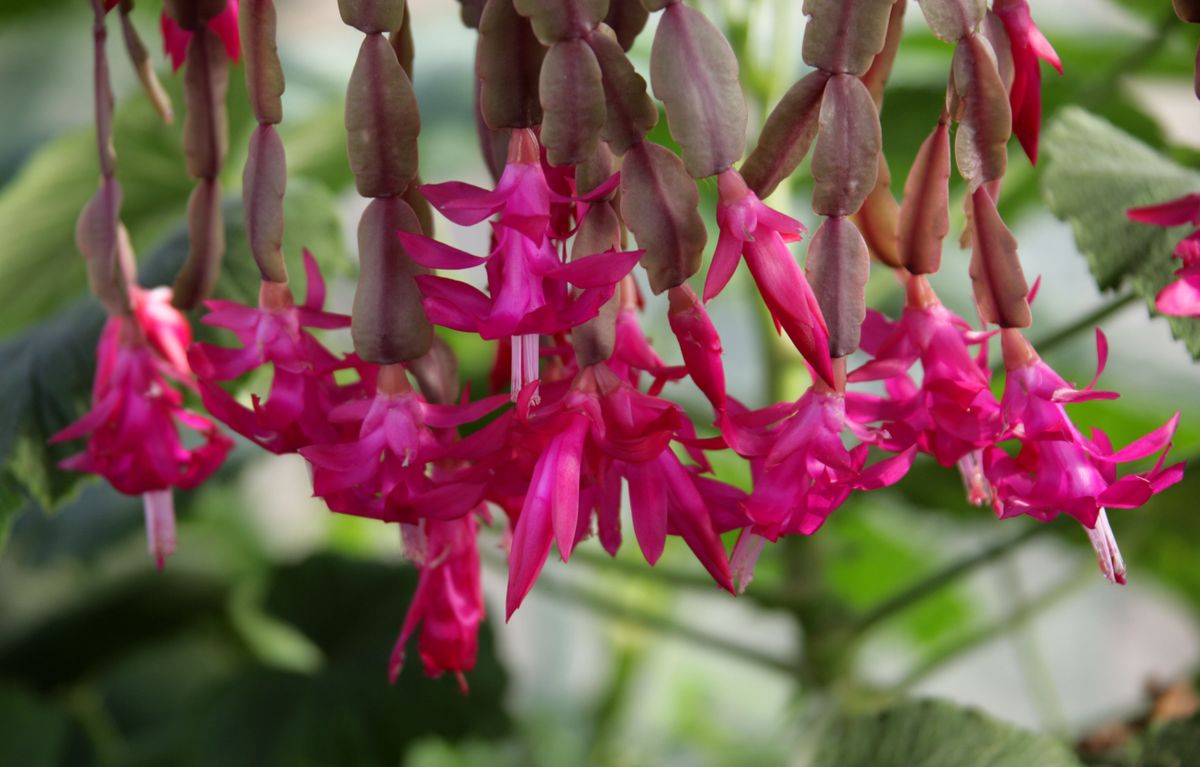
979,490
1107,553
159,507
745,556
524,364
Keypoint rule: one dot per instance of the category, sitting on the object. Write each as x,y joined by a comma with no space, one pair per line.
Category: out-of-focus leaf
32,733
106,623
40,269
935,734
1175,744
1094,173
873,552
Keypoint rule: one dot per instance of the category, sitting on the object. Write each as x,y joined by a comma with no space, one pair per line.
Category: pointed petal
598,270
432,254
648,504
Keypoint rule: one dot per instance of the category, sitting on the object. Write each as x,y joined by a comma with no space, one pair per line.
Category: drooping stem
991,631
944,577
1086,322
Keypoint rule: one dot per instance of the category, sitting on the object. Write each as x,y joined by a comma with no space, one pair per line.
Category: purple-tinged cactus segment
925,213
843,36
206,245
786,136
264,74
98,235
627,18
205,126
389,321
382,122
1187,10
558,20
980,105
694,73
573,106
837,268
846,154
372,16
264,181
659,205
952,20
631,113
508,62
1000,287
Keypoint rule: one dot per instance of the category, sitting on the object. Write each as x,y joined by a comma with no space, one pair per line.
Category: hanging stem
1037,674
1084,323
981,636
660,623
942,578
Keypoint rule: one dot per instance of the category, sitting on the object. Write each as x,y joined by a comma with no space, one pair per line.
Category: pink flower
1029,46
384,472
1057,469
760,235
585,441
699,343
137,409
801,467
952,415
528,278
1182,297
224,25
303,390
448,603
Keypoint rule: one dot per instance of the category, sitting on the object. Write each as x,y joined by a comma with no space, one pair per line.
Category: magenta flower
802,469
1029,48
224,25
700,344
528,280
760,235
1182,297
303,390
1057,469
383,473
952,415
590,437
448,603
133,428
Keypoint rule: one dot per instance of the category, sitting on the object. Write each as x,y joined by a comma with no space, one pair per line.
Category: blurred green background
265,640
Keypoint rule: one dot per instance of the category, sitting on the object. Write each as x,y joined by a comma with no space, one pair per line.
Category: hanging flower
952,415
384,472
447,606
133,428
1029,48
1182,297
303,389
584,441
760,235
528,279
1058,470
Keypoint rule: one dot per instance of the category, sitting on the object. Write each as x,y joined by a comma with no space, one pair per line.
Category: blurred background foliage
265,641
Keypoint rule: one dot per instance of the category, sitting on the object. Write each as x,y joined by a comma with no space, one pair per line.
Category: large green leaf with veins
1095,173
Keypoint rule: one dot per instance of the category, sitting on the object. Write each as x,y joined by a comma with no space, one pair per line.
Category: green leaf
1094,173
1175,744
32,733
935,734
40,269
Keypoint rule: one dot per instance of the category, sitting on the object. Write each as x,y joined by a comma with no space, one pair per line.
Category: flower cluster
581,418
